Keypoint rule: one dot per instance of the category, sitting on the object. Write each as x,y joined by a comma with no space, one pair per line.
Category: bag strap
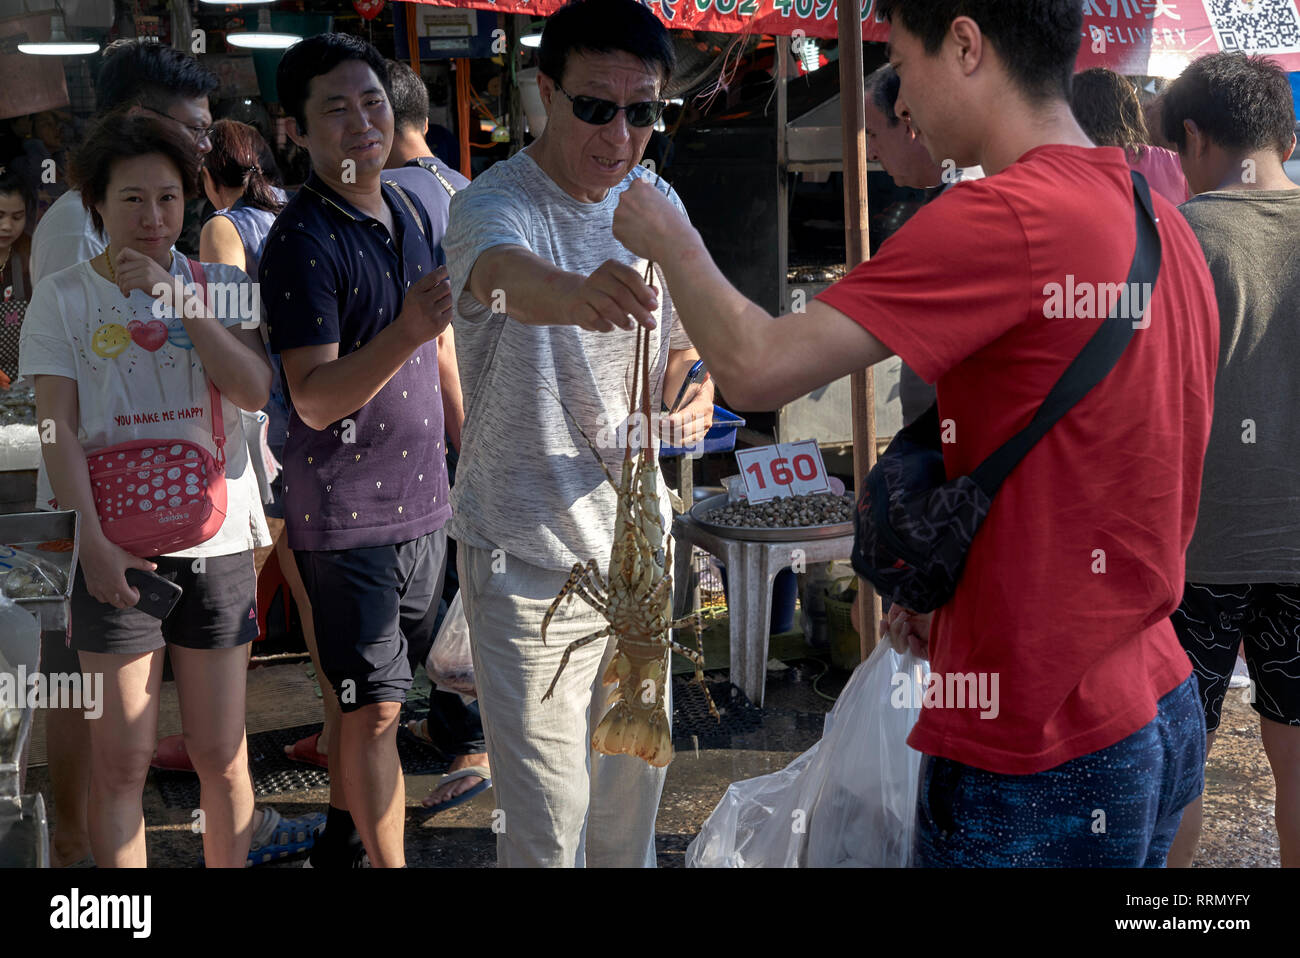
1097,358
409,205
430,164
214,395
16,265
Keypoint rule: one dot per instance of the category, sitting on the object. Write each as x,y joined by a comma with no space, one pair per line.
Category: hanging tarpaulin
1155,37
816,18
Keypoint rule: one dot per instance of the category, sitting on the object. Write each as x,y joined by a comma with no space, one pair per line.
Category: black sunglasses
200,133
590,109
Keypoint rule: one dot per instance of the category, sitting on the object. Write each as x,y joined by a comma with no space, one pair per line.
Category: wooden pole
412,41
857,243
465,115
515,110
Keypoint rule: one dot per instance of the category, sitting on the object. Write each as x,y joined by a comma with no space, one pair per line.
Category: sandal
170,756
418,729
305,750
425,812
279,837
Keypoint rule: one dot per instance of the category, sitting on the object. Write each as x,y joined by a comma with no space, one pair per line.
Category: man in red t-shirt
1089,741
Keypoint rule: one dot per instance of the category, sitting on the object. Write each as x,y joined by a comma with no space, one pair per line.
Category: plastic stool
751,568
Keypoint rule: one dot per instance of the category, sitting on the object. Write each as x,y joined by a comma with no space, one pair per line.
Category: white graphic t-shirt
139,377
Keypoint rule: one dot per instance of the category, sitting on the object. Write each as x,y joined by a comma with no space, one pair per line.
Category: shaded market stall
1132,37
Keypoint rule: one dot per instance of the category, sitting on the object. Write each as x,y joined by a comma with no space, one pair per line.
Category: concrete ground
1239,798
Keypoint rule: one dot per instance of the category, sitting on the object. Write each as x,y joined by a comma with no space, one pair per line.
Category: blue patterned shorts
1117,807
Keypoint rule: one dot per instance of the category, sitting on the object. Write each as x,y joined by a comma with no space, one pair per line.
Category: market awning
1149,37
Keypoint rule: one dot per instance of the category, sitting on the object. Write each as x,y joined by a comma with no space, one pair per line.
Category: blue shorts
374,610
1116,807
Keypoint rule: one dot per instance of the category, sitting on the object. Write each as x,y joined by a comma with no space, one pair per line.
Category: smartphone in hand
158,596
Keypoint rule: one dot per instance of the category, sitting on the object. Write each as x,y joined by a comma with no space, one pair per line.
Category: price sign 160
786,469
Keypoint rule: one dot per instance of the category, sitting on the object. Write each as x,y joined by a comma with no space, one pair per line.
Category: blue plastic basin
721,436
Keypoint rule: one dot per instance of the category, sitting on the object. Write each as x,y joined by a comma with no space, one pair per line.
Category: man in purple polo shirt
354,304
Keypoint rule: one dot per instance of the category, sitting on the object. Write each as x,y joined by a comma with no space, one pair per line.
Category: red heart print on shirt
151,335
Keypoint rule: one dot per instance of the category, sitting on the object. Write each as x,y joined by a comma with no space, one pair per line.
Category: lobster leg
654,602
595,598
575,644
592,576
695,621
572,586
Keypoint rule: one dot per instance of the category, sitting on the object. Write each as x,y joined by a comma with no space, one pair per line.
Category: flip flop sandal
421,734
279,837
304,750
170,756
481,771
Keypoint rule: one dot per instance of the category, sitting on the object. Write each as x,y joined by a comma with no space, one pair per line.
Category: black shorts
217,610
374,610
1214,620
57,653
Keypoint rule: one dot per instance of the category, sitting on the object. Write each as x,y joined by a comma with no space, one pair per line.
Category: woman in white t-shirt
108,370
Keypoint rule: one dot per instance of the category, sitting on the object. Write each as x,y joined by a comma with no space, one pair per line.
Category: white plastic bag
850,800
449,663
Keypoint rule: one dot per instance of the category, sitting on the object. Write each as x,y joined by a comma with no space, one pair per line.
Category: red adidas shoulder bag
155,496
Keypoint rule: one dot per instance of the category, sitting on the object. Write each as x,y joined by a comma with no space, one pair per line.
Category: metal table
751,568
50,611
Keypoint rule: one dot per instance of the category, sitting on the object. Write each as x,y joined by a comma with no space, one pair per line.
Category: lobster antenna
634,394
644,341
573,419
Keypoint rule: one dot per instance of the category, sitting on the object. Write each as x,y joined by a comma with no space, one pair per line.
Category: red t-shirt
1081,657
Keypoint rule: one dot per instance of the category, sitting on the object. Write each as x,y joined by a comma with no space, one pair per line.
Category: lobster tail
643,733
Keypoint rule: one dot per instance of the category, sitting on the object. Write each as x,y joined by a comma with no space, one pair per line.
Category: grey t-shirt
1248,527
526,481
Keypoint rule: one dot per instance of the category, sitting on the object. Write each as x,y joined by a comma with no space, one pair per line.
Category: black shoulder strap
1097,358
16,275
430,164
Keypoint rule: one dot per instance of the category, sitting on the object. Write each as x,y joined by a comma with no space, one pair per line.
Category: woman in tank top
238,177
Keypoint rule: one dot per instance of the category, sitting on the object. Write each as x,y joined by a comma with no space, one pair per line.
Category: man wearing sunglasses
148,76
546,304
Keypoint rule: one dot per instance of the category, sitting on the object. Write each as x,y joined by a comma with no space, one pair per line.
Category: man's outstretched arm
759,361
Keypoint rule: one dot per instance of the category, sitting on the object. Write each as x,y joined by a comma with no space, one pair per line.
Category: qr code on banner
1256,26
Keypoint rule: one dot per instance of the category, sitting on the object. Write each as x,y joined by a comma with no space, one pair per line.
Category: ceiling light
58,45
533,40
263,39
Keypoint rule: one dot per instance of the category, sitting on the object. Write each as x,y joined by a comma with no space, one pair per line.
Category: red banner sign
1157,37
